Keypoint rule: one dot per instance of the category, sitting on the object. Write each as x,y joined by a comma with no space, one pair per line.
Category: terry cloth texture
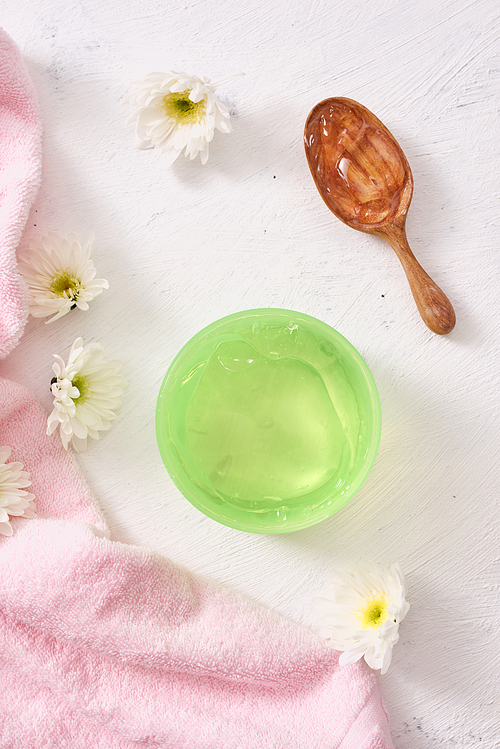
20,167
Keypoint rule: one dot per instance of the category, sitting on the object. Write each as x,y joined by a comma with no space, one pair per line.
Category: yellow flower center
82,384
64,284
179,107
374,611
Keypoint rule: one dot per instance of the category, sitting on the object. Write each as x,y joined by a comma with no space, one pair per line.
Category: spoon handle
434,306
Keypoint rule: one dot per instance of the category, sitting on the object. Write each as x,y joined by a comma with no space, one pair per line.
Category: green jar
268,421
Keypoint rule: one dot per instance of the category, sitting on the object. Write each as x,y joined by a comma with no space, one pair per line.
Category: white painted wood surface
186,246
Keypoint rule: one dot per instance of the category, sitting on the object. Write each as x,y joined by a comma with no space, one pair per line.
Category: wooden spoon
364,178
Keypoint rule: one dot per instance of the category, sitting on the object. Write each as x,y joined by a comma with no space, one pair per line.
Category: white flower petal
60,275
173,129
87,393
14,500
351,656
362,616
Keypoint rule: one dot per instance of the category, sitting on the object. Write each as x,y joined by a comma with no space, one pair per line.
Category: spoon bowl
365,179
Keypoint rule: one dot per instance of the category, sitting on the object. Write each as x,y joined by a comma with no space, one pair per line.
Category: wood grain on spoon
364,178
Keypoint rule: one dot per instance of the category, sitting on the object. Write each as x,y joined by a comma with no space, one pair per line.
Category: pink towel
109,645
20,165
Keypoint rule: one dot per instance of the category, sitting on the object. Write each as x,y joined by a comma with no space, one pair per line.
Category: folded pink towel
109,645
20,165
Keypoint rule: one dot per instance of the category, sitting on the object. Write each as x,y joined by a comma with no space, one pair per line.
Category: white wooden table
184,246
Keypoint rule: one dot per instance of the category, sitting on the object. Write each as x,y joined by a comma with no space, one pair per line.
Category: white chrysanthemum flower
177,112
60,275
362,617
87,391
14,501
